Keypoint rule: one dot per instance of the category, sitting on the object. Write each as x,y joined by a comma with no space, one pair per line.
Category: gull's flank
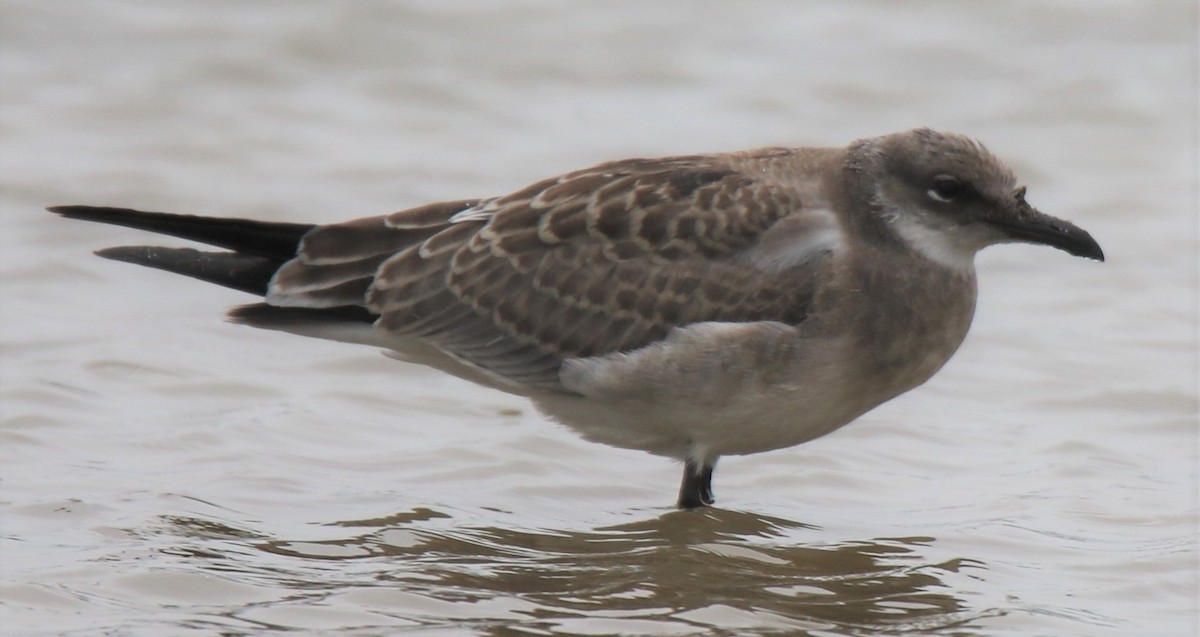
691,307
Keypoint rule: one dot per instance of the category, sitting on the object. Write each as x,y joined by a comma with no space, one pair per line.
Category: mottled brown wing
602,260
336,264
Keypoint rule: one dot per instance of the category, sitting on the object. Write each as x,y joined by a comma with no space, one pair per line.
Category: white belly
711,389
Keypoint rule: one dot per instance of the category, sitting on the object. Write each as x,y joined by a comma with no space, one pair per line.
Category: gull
692,307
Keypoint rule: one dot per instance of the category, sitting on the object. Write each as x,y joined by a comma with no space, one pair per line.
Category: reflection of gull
691,307
763,574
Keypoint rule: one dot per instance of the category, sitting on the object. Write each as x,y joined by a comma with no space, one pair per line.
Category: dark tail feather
274,240
281,318
244,272
346,323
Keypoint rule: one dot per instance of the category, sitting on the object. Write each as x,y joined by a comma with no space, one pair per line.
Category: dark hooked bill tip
1054,232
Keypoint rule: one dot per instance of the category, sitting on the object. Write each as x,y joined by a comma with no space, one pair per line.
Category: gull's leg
696,489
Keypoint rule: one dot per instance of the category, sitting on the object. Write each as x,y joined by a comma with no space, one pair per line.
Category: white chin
947,246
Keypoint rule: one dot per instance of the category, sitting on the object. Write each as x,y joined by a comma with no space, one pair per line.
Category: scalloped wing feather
598,261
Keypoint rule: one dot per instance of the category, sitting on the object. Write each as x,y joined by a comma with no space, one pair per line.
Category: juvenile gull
691,307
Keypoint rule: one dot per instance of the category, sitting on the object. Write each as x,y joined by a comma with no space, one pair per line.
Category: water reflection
677,572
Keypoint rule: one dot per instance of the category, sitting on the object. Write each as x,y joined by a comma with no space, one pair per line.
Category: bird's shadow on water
712,570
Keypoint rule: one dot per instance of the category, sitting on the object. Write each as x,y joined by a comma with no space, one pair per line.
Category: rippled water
166,473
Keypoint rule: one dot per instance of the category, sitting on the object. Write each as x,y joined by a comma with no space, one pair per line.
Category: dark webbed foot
696,489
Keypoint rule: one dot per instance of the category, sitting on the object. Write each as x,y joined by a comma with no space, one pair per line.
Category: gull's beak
1032,226
1036,227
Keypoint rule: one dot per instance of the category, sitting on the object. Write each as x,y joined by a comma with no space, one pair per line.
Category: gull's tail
257,248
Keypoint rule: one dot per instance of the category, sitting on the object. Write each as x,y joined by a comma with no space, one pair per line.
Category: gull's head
948,197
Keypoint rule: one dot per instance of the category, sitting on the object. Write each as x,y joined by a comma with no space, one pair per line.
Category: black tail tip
87,212
139,255
66,210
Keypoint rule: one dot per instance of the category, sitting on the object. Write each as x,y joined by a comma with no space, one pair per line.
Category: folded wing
603,260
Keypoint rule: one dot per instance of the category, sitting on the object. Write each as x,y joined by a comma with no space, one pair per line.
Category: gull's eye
945,189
